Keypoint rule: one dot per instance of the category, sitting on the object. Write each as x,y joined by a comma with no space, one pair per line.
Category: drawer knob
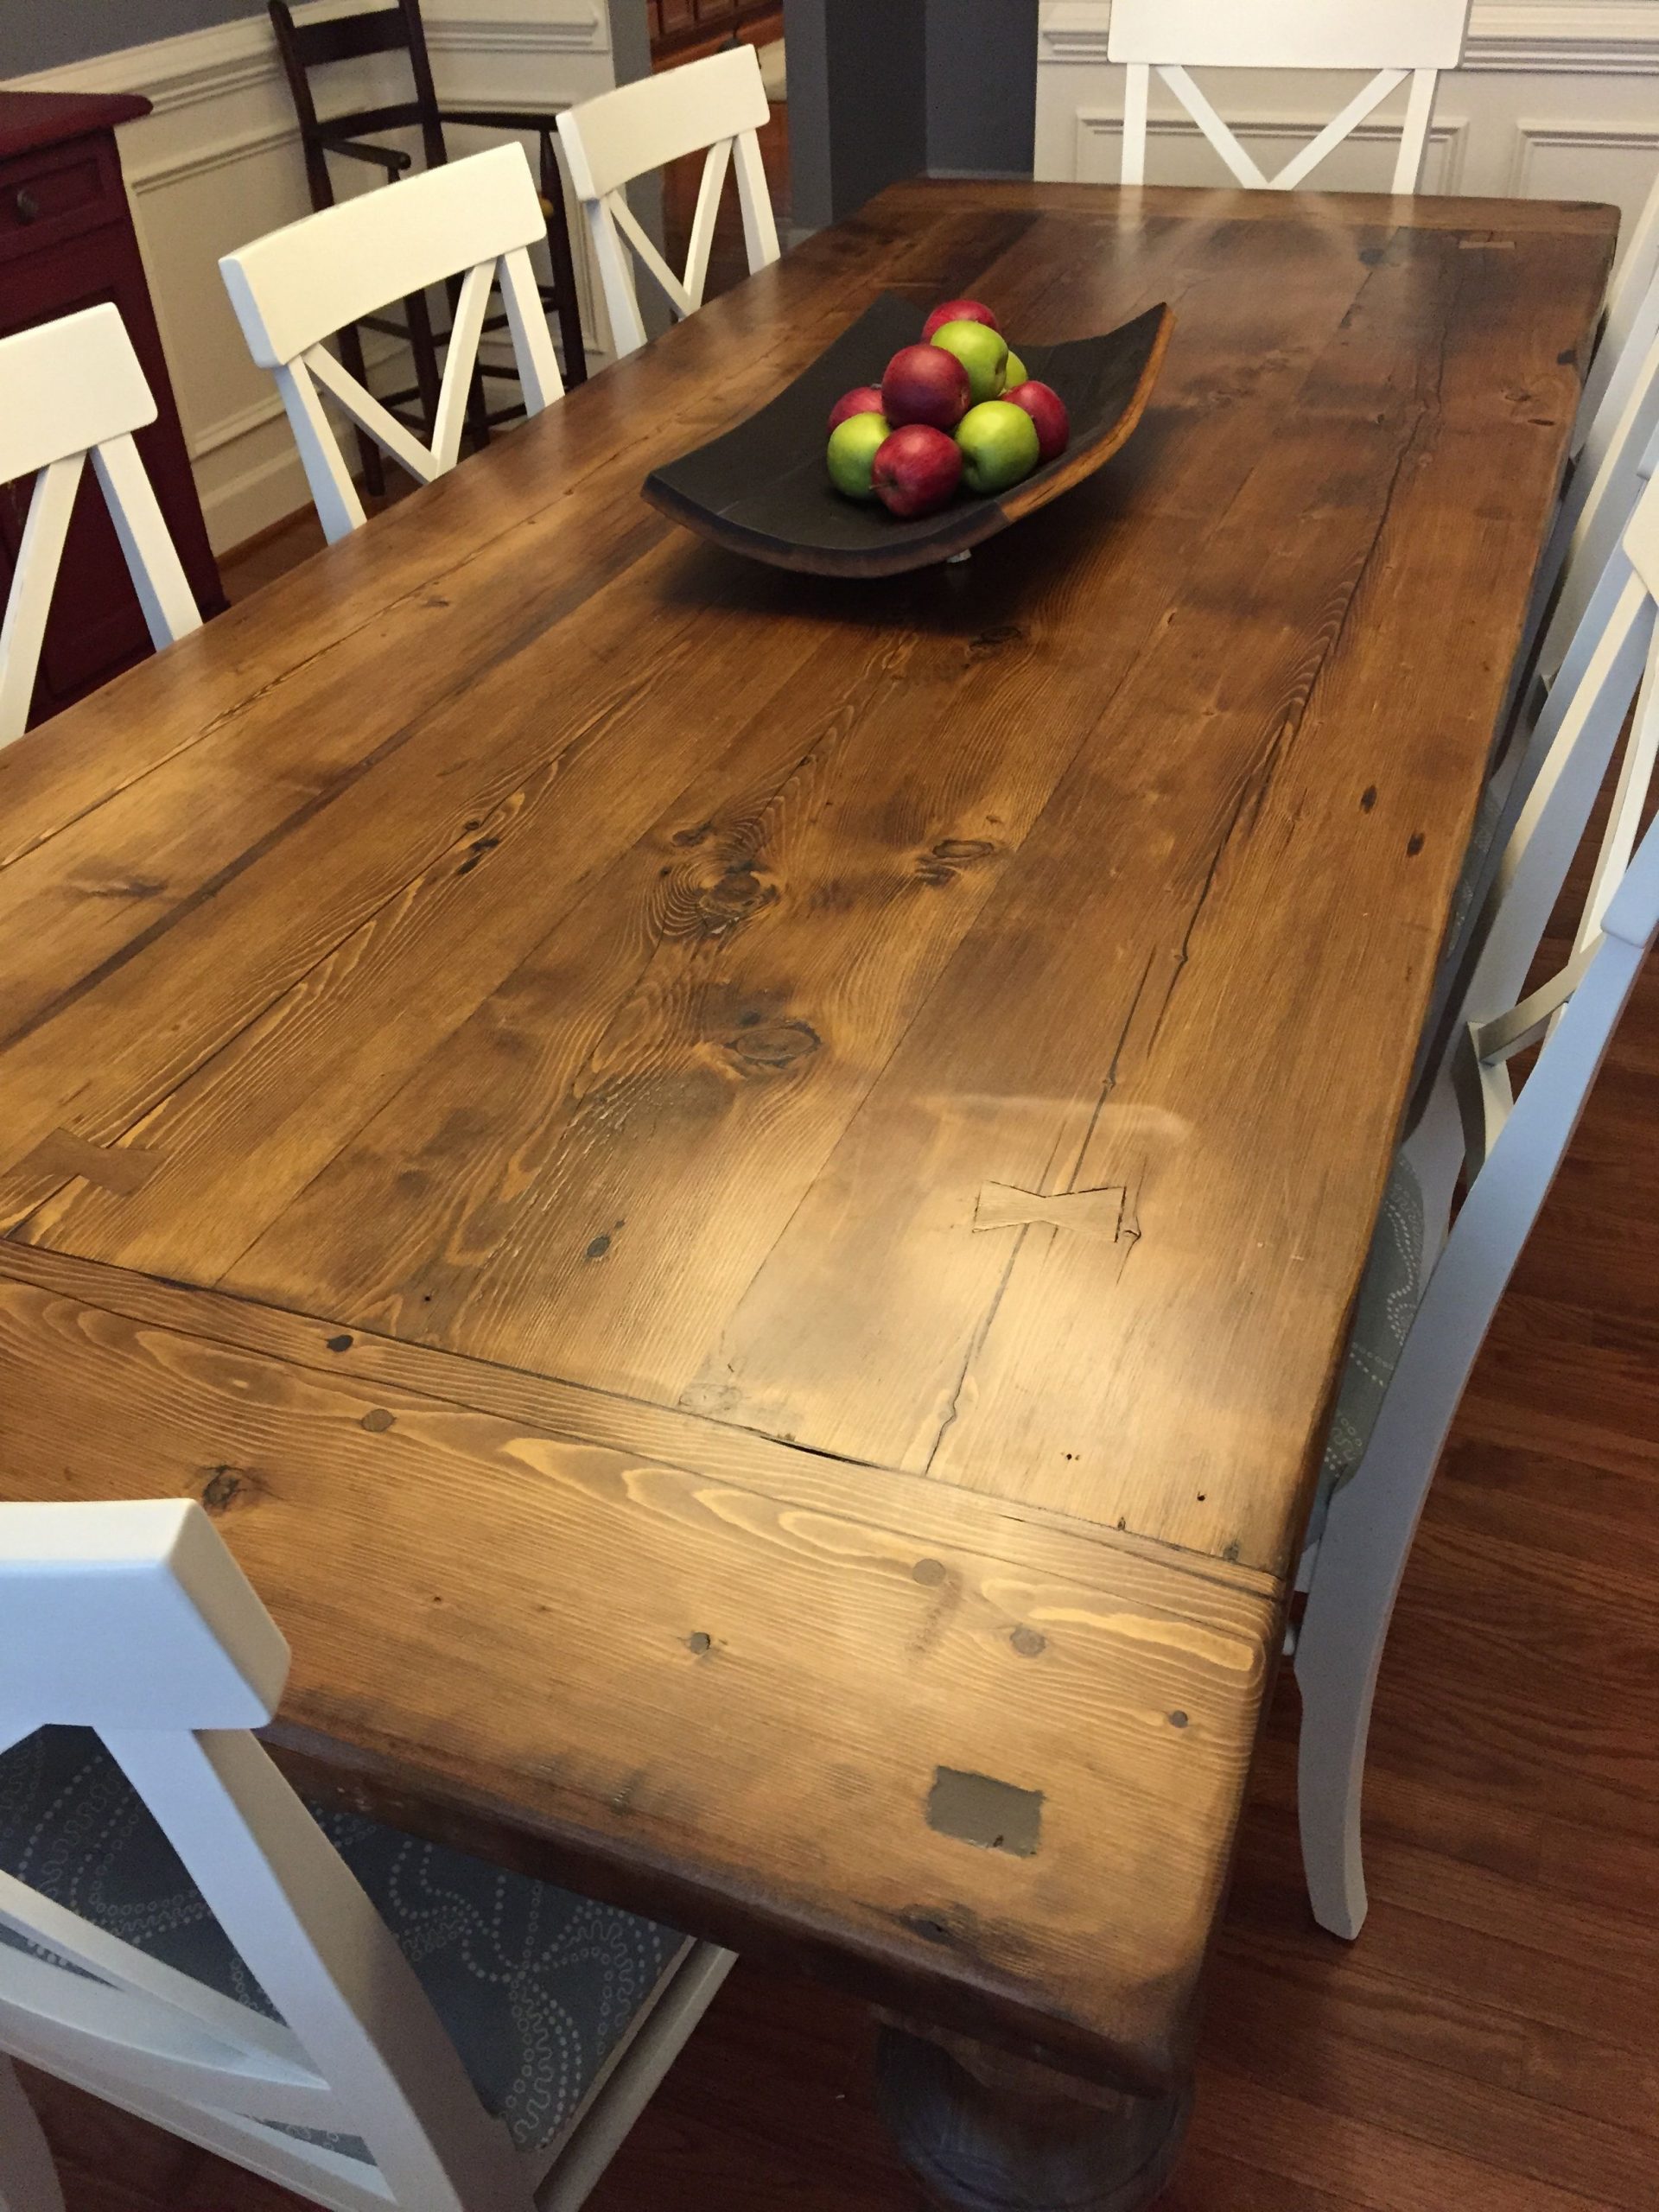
28,206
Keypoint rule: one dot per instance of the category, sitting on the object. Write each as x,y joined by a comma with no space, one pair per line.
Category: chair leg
564,267
1357,1575
368,454
29,2180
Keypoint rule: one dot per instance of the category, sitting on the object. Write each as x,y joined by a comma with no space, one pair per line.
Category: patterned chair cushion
1390,1291
537,1987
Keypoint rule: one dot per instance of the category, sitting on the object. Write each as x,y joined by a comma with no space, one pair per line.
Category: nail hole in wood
340,1344
1178,1720
698,1642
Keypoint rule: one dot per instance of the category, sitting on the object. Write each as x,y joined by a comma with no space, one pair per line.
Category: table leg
992,2134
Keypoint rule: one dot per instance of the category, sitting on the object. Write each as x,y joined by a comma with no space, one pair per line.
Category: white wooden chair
69,389
719,104
1615,460
1393,38
292,289
1627,296
1429,1294
179,1936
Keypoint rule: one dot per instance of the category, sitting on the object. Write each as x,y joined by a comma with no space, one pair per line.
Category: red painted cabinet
67,242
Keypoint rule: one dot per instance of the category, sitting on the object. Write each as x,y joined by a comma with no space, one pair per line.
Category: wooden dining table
742,1192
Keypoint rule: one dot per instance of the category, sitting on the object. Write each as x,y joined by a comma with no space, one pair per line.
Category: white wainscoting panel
1556,99
218,162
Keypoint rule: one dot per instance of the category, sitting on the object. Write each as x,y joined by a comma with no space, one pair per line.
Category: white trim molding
579,29
1596,38
1617,38
1532,138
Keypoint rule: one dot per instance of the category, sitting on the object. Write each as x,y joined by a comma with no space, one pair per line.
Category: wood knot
476,853
732,900
944,861
778,1044
224,1485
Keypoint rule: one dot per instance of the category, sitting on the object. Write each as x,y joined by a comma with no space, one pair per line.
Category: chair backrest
67,390
1627,295
300,285
719,103
1393,38
319,43
1614,459
1508,1149
133,1619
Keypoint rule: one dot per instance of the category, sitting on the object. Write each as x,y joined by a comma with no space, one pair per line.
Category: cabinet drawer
53,193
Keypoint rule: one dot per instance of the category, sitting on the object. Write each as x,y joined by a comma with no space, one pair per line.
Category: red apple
863,399
1048,410
958,311
916,470
925,384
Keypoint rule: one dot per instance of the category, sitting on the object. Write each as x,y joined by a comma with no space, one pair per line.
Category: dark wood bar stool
309,46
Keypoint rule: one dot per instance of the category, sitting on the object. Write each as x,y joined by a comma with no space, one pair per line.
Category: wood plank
705,1170
1045,1060
505,630
377,1363
651,1613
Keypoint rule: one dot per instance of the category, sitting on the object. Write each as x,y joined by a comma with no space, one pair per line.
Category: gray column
885,89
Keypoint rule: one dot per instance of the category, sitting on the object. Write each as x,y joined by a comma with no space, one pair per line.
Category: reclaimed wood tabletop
743,1191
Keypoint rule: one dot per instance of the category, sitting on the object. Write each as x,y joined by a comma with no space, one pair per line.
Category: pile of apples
957,409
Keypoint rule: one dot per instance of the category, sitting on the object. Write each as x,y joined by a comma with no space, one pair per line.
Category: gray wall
982,85
884,89
44,34
857,101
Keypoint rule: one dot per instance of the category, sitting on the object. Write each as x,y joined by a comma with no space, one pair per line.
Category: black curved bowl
762,488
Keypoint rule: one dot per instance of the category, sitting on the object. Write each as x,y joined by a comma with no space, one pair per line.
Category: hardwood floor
1493,2040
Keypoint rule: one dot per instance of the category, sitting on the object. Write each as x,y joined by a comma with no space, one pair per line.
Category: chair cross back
133,1619
1573,750
1395,40
717,104
72,390
299,286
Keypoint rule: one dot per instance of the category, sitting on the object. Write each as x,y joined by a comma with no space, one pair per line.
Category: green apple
999,445
853,448
1016,372
982,350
